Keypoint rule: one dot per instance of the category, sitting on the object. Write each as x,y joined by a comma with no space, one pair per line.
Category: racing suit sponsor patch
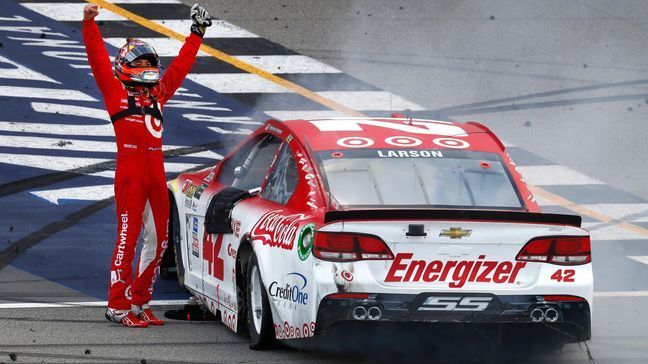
123,233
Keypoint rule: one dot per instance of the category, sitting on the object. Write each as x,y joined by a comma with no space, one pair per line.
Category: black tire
175,237
263,337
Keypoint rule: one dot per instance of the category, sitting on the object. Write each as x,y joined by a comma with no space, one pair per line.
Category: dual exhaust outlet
547,314
371,313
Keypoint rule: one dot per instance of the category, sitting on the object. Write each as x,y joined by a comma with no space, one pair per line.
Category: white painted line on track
639,258
370,100
306,115
86,304
75,144
621,294
232,83
72,110
165,47
67,11
288,64
20,72
621,211
610,232
219,28
49,162
86,193
63,129
44,93
552,175
153,2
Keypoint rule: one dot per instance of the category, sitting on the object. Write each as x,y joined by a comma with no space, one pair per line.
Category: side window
248,166
283,178
255,167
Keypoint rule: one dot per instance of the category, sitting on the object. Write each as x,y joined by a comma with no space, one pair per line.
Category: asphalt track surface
563,83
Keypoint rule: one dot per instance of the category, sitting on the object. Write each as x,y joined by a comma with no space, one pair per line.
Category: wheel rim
257,299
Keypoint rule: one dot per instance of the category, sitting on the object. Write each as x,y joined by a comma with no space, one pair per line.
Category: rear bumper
569,317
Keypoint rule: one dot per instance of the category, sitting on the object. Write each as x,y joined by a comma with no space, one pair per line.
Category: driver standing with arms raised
134,95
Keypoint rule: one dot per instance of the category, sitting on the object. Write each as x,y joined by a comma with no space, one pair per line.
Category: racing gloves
200,20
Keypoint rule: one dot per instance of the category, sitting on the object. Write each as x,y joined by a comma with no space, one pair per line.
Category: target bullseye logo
153,125
403,141
355,142
452,143
348,276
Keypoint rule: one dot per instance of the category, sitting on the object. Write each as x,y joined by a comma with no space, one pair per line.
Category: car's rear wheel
259,317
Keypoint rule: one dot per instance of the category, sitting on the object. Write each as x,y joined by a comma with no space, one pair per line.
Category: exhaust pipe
537,315
551,315
374,313
359,313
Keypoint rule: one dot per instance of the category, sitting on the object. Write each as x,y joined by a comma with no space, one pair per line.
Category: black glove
200,20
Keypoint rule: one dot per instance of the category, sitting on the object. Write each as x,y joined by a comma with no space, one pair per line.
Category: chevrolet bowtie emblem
455,233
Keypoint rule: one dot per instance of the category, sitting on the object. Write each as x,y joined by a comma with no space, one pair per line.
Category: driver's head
137,64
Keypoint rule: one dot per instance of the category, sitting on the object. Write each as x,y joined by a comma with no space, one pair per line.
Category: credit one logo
293,293
433,303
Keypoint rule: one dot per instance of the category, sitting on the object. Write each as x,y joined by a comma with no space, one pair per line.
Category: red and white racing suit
140,182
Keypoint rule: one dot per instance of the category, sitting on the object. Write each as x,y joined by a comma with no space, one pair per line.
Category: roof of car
393,133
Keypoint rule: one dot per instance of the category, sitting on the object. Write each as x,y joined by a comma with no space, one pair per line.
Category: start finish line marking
87,304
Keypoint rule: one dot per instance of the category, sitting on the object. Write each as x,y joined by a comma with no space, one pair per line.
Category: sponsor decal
455,233
195,247
274,129
130,146
444,303
309,175
231,251
290,293
187,202
288,331
123,233
342,276
236,228
305,241
127,293
115,277
410,153
210,177
191,191
403,141
200,190
456,273
185,186
289,138
452,143
277,230
355,142
194,226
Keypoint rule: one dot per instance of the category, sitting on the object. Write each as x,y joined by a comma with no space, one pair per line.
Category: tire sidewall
261,339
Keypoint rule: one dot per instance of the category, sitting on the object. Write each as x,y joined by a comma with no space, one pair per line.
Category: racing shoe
124,317
145,314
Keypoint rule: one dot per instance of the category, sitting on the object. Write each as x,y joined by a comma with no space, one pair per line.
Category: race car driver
134,95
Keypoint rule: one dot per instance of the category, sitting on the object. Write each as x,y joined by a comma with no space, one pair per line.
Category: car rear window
418,178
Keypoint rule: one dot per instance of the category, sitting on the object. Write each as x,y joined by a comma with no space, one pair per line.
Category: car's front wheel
259,317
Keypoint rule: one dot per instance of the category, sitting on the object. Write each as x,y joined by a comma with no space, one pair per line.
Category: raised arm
181,65
96,50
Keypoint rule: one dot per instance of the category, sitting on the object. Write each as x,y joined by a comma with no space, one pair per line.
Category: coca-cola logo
277,230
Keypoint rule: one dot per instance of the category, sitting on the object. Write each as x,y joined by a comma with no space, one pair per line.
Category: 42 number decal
211,252
563,275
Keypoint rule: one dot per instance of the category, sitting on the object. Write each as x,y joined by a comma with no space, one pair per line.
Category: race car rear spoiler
434,214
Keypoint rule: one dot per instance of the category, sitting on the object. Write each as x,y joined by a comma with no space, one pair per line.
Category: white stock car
312,224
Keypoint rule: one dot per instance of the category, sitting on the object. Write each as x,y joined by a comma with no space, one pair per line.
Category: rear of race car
483,267
446,236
